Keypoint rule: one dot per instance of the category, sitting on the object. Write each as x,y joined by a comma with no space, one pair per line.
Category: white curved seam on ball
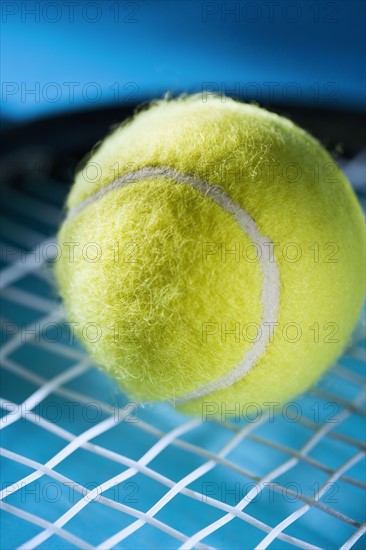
270,270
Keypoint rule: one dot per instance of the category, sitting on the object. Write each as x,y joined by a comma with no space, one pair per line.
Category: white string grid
249,523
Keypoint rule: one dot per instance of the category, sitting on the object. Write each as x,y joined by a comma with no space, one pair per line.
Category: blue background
286,52
300,52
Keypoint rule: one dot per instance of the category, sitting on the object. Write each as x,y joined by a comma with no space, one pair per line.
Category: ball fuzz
218,252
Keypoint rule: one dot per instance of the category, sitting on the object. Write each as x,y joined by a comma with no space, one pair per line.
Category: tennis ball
212,255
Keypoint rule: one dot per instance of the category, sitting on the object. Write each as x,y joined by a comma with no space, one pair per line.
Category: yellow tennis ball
212,256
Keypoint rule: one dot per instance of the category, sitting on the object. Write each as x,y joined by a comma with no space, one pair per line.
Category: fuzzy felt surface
172,282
